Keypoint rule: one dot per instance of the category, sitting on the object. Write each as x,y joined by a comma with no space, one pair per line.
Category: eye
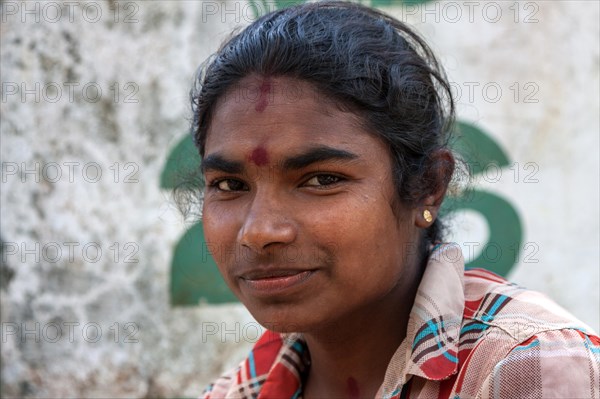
323,180
229,185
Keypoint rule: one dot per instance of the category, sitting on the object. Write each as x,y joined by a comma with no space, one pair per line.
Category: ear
440,167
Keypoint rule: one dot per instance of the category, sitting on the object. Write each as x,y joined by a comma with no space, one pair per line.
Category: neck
349,357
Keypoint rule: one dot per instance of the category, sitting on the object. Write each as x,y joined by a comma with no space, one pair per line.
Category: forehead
279,112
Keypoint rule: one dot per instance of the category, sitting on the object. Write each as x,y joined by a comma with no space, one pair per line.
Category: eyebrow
315,155
217,162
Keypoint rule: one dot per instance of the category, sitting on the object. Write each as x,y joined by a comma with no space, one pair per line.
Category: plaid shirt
471,334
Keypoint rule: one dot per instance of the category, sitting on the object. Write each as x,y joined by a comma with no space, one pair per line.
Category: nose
268,222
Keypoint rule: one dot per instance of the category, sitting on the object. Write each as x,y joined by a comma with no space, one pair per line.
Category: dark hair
364,60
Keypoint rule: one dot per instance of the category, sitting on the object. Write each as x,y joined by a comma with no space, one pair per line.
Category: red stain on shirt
352,388
259,156
263,100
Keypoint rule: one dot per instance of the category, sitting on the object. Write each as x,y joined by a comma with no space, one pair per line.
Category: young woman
323,131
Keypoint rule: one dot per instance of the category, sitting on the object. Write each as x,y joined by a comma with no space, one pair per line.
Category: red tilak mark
263,100
259,156
353,391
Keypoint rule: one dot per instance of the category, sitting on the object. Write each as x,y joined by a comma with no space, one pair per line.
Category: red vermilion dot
263,100
259,156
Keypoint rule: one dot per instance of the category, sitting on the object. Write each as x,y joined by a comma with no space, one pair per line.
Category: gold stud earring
427,216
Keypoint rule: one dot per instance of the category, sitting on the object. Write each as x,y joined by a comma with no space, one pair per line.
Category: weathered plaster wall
77,322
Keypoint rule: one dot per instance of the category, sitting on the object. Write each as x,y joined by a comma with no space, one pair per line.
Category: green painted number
504,245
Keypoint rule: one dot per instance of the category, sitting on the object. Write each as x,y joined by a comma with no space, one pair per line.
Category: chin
281,318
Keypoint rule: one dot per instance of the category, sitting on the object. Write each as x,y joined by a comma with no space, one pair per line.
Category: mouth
272,281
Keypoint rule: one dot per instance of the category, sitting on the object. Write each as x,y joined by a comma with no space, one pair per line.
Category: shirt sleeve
220,388
551,364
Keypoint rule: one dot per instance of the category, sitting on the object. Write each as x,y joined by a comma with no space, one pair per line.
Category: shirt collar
430,349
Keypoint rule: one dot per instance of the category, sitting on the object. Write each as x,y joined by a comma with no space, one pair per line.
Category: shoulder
518,343
239,382
276,355
561,363
518,312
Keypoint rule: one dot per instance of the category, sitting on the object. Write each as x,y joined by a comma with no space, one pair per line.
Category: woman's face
298,207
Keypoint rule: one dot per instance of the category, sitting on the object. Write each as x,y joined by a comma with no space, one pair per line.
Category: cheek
220,231
364,223
368,243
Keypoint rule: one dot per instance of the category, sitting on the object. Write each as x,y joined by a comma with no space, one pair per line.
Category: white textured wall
148,348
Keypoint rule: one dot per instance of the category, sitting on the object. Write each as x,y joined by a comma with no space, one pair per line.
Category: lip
275,281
